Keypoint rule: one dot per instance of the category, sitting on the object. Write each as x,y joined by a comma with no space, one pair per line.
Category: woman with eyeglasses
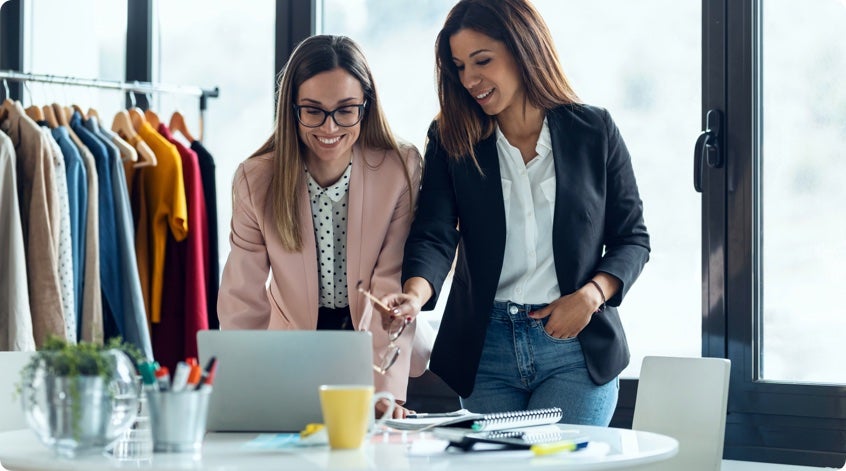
325,203
537,192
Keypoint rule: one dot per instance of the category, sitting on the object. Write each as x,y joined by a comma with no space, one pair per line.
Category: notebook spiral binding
552,414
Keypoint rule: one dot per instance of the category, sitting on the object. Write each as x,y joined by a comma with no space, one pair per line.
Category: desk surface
610,448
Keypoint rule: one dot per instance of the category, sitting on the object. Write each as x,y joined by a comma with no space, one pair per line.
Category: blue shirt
135,330
77,178
110,266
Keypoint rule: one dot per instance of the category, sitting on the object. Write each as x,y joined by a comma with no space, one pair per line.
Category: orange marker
194,377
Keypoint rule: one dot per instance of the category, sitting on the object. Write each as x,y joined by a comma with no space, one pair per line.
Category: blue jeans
523,367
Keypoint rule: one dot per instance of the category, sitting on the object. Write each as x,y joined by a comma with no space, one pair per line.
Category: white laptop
267,380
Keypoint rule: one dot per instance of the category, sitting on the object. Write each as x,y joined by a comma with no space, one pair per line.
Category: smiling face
329,144
487,70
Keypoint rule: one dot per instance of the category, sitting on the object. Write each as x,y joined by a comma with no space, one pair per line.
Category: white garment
329,214
65,248
528,192
15,315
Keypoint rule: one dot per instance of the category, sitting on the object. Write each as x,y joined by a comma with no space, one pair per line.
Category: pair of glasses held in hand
395,330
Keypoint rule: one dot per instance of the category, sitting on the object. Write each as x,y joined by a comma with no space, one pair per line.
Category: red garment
184,302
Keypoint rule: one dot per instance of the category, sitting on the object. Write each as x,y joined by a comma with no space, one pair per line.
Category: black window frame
769,421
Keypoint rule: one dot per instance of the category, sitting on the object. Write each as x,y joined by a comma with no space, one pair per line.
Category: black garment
207,173
334,319
597,207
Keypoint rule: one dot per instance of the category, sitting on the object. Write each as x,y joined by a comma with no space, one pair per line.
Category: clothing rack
129,87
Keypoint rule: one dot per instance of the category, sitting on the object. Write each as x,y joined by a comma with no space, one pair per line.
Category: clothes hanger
123,126
6,108
35,113
49,116
177,123
152,118
136,116
147,158
151,115
127,152
8,104
78,109
61,117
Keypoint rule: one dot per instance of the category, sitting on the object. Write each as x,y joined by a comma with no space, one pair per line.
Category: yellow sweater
161,207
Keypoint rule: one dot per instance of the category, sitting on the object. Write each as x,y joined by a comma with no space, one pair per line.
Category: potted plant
79,397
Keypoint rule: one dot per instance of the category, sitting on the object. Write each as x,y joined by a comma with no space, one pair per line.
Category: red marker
208,374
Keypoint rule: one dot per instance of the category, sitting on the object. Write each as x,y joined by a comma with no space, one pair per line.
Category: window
804,248
644,67
229,45
773,66
85,39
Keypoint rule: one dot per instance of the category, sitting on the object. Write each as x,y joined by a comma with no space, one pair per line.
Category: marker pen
206,372
180,376
163,378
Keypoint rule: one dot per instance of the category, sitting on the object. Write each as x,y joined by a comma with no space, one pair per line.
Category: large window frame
770,421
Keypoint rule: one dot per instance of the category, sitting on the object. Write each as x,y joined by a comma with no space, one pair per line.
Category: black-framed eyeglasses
344,116
397,327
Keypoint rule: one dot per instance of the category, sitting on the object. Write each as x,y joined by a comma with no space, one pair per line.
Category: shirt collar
543,146
335,192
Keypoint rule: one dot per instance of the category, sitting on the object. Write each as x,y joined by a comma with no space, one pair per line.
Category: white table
610,448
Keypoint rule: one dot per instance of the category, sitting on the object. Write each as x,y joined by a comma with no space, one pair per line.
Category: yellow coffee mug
348,411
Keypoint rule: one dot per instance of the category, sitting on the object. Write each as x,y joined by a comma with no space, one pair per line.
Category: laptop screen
267,380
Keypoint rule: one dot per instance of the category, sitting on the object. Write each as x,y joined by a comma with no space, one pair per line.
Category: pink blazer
266,287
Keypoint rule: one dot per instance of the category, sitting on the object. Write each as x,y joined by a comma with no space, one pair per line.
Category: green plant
59,359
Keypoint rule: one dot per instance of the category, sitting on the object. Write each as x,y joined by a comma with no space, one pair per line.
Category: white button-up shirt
528,192
329,213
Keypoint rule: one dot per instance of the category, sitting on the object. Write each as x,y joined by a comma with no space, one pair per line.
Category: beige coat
15,317
39,204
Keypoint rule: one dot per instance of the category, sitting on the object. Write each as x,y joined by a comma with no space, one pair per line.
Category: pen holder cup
178,420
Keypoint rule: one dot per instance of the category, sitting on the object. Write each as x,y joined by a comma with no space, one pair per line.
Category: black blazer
597,207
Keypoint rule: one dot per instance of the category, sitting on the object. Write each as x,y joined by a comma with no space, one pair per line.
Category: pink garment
379,218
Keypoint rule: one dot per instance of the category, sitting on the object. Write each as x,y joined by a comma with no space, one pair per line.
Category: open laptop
267,380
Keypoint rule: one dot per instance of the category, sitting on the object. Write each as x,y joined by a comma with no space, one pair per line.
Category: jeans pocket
541,325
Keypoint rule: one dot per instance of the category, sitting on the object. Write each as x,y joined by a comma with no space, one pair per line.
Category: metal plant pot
76,415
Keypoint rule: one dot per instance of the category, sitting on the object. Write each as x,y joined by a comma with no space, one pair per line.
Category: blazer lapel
355,228
568,191
309,255
490,192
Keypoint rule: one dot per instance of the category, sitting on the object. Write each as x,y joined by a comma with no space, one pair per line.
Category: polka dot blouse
329,213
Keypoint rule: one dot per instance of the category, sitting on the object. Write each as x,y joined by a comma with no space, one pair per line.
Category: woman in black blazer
537,192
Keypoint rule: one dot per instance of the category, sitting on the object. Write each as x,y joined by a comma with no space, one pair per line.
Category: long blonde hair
461,121
315,55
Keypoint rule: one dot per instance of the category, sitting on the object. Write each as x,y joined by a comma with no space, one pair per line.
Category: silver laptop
267,380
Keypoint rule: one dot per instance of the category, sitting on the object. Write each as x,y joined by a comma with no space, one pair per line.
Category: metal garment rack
129,87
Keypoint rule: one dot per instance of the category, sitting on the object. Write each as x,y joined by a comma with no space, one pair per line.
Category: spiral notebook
480,422
518,438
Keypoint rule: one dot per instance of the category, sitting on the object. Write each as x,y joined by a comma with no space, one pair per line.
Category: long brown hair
461,122
315,55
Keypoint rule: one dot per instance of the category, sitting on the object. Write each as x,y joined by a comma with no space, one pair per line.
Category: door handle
708,150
